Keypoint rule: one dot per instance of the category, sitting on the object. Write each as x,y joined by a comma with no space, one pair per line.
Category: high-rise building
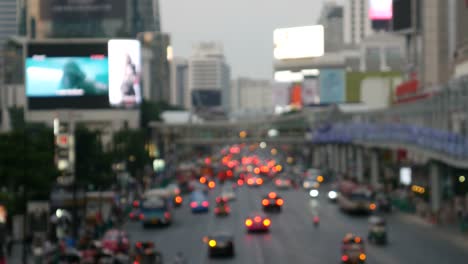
209,77
179,82
356,22
90,19
156,81
9,10
331,18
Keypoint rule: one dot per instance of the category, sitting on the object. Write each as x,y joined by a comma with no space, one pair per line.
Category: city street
293,238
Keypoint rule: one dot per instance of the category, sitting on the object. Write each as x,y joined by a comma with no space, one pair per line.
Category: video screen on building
124,72
79,75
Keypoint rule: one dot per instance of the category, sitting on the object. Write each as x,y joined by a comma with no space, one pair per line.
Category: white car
229,195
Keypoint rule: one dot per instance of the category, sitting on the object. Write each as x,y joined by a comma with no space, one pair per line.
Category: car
134,214
314,193
115,241
199,202
353,250
272,202
308,184
220,245
254,181
283,183
332,195
228,194
222,207
383,203
257,222
155,211
145,253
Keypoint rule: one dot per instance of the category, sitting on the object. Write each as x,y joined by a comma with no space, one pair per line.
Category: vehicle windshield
136,115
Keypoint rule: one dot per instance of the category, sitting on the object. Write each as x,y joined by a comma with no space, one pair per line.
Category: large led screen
380,9
124,72
102,74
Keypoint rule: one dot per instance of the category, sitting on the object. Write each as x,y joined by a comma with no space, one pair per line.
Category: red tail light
344,258
216,210
136,203
257,219
142,216
139,244
193,204
167,215
240,182
131,215
205,203
259,181
272,195
228,209
264,202
266,222
248,222
278,182
136,262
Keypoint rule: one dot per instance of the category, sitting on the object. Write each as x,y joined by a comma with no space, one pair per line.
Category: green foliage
129,146
27,161
93,164
151,111
16,118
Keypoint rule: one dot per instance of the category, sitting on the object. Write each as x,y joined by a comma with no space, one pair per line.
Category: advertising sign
332,85
310,91
76,9
380,9
124,72
83,75
299,42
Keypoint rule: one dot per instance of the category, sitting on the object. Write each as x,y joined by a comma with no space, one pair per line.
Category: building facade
331,17
209,77
356,23
251,97
179,82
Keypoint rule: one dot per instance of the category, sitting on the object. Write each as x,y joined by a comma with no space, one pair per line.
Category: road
293,238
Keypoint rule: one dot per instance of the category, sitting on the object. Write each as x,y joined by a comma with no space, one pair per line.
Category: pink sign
380,9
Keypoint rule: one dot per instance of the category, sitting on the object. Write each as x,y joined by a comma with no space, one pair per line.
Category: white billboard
124,72
298,42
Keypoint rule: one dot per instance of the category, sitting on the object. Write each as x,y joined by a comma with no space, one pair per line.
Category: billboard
402,18
76,75
380,9
124,72
78,9
206,98
298,42
310,91
332,85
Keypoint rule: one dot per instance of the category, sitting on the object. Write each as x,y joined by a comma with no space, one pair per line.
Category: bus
355,198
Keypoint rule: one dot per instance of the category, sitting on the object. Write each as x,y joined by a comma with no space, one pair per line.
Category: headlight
332,195
314,193
306,184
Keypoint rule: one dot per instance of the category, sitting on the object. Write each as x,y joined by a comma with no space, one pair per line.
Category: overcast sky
245,27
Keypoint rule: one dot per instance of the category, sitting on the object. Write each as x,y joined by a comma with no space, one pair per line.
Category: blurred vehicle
199,202
254,181
332,195
197,186
115,241
308,184
99,206
377,230
257,222
155,211
283,183
220,245
134,214
272,202
228,194
352,250
314,193
145,253
211,184
316,220
355,198
314,174
222,207
383,202
70,256
185,173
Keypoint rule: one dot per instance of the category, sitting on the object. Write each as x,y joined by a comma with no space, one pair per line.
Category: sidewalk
448,233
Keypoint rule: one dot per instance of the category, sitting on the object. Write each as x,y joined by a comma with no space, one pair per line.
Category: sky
244,27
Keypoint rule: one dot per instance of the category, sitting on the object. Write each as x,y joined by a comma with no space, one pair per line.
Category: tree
151,111
93,164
